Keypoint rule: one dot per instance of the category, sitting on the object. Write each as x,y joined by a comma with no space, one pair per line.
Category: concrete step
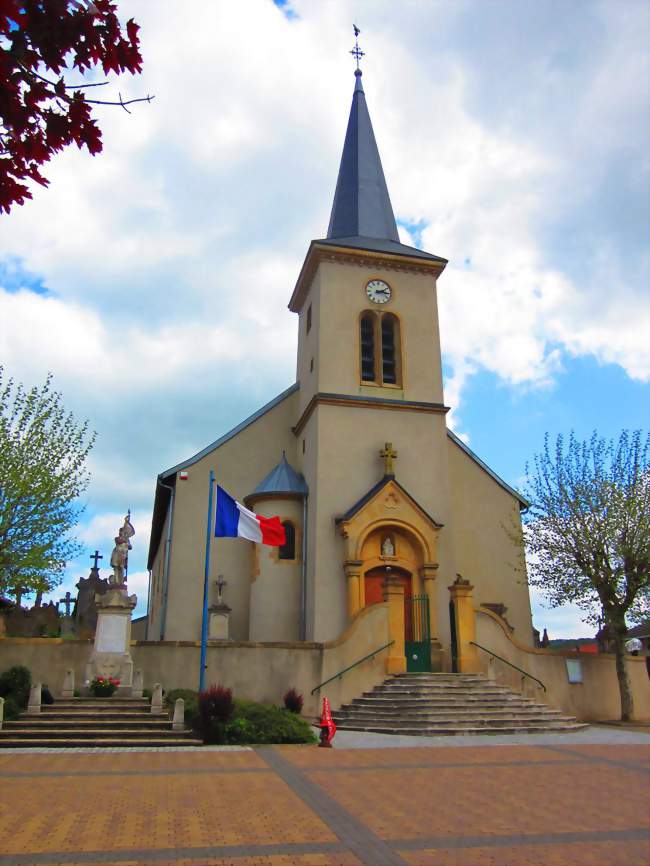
97,705
448,704
456,731
81,715
73,742
142,723
399,713
474,722
85,733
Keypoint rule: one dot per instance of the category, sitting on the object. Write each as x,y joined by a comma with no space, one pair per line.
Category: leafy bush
273,725
239,731
215,710
293,701
16,682
12,710
248,723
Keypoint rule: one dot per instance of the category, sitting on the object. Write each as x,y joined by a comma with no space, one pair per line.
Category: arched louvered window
368,372
389,349
288,549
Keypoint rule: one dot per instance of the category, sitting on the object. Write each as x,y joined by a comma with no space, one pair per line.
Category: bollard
327,726
34,704
138,684
178,723
2,711
68,684
156,700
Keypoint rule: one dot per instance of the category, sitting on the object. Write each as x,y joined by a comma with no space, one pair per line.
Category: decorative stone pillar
428,574
353,576
467,655
111,655
394,595
68,684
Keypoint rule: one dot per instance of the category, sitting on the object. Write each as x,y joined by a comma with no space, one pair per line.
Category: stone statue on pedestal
120,554
111,655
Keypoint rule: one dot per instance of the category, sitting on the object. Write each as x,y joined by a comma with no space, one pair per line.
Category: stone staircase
108,722
446,704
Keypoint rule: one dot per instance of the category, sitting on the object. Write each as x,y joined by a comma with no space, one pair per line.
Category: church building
379,499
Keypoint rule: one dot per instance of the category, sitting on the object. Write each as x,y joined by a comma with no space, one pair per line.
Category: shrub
239,731
12,710
16,682
293,701
273,725
215,710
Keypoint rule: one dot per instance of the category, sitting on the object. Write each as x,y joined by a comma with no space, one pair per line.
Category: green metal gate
418,636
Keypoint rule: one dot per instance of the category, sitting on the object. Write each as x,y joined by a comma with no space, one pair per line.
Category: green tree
588,532
43,451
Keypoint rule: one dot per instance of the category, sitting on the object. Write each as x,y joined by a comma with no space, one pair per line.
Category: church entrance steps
447,704
109,722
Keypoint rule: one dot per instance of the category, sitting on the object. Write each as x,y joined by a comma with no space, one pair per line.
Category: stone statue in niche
387,546
120,554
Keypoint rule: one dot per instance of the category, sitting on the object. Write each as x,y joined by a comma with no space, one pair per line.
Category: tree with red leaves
41,112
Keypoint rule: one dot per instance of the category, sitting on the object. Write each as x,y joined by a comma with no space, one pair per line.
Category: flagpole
206,587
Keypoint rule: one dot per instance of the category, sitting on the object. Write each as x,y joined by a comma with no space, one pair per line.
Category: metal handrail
339,675
521,671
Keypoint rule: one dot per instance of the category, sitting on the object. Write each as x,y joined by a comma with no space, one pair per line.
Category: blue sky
153,279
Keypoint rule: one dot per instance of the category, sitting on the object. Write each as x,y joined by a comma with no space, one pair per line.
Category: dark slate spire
362,205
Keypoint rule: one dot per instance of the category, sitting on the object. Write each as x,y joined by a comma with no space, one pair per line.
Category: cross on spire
389,455
356,52
96,555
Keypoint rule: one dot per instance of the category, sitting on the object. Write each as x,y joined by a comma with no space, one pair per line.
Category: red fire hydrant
327,726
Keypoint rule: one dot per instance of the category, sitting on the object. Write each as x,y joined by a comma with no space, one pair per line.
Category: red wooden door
374,580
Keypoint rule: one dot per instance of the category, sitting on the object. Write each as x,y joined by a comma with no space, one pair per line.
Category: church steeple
362,205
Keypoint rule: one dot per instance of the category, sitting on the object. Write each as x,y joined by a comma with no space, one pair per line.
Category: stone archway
388,511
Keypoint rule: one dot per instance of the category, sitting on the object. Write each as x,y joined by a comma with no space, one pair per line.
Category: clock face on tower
378,291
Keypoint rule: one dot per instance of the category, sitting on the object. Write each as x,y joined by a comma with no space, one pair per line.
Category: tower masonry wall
347,465
239,464
338,298
275,582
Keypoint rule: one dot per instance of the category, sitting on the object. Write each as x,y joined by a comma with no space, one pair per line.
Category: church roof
362,205
380,245
282,479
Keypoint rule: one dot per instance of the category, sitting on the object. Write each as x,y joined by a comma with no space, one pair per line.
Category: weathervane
356,52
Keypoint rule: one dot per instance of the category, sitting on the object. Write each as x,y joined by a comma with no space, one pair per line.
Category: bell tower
369,363
367,303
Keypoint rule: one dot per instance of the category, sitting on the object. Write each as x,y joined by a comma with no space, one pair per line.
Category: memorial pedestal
111,656
219,625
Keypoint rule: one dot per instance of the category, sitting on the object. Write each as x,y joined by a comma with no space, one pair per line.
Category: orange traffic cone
327,726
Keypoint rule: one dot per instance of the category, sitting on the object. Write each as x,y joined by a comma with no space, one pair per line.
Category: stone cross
67,601
220,582
389,455
96,555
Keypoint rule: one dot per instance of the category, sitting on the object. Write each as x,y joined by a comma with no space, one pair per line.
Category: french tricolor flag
234,520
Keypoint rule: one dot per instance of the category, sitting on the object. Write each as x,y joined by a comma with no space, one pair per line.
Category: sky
153,279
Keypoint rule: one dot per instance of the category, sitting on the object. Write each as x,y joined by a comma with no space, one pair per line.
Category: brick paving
504,805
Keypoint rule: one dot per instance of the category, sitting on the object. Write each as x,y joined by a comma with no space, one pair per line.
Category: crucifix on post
67,601
389,455
95,556
220,583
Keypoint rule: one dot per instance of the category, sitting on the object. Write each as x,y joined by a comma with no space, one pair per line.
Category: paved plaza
580,800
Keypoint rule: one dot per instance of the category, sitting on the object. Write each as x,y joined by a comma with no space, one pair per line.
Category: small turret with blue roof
282,482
